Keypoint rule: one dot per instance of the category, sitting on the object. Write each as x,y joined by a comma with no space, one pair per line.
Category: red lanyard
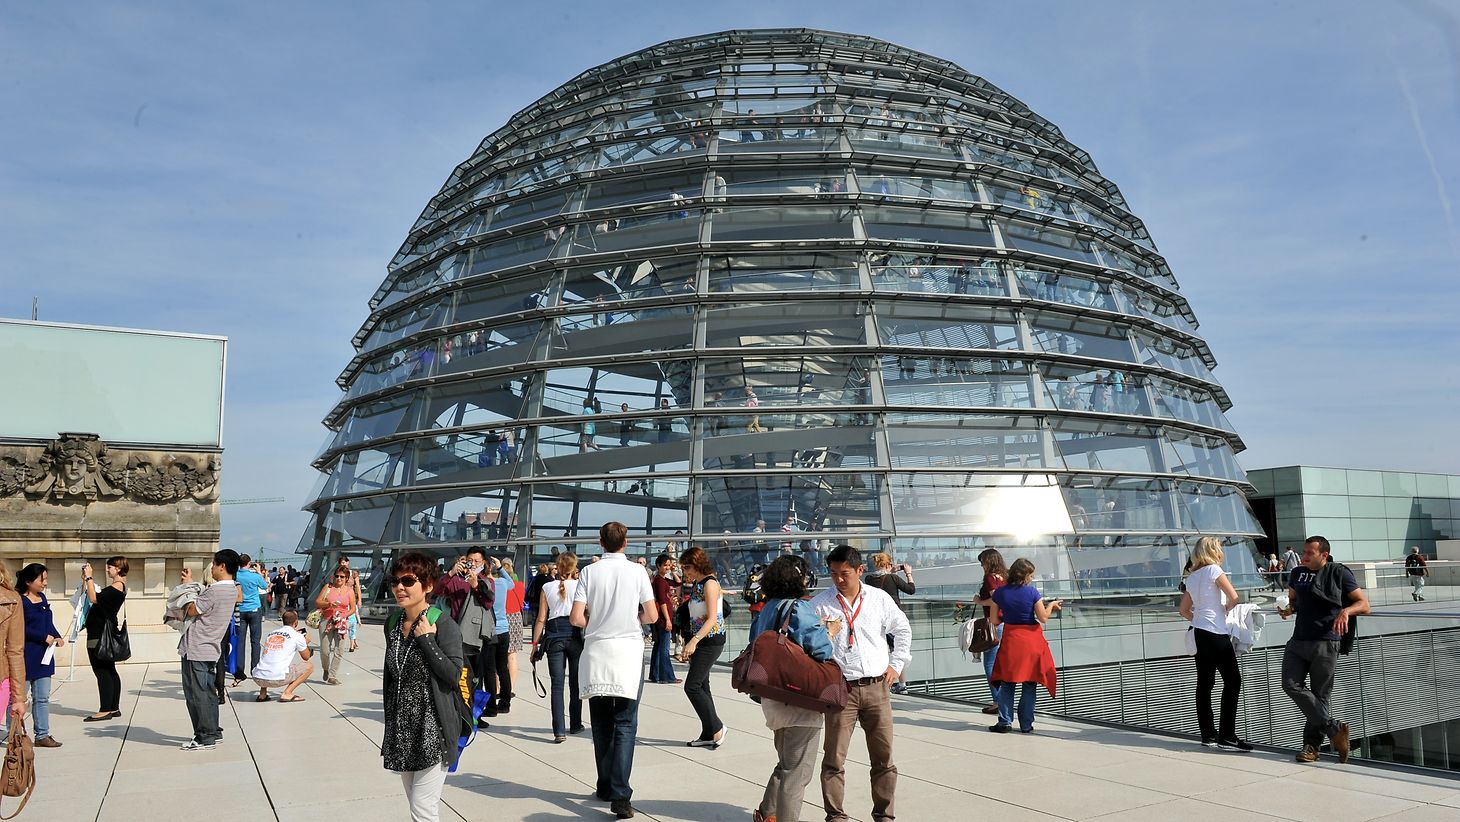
851,617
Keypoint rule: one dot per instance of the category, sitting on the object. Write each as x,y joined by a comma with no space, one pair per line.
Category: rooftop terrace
319,760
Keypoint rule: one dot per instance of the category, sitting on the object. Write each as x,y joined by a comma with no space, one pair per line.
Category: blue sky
249,170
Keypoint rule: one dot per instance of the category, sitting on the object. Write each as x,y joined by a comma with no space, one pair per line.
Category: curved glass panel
767,291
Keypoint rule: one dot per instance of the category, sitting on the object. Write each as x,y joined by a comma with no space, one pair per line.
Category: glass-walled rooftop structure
1366,515
767,291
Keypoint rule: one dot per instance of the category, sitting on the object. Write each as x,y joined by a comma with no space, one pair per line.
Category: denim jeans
251,623
615,725
1026,704
660,668
40,708
989,657
562,656
201,699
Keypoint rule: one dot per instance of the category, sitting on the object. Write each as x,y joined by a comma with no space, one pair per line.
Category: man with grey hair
1417,569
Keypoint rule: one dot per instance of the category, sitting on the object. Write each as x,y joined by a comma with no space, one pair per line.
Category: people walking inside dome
794,730
705,644
555,637
1209,597
1024,657
859,618
1325,597
424,710
612,601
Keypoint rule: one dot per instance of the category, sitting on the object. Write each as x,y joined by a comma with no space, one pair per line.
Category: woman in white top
556,638
1209,596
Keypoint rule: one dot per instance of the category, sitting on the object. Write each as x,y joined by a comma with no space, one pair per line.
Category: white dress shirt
860,647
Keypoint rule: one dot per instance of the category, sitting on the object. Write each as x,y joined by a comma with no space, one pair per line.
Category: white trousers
423,792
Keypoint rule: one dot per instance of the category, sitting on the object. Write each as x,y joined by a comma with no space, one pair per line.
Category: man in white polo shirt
869,619
285,663
613,603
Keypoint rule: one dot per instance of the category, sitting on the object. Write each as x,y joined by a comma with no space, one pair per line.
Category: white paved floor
318,760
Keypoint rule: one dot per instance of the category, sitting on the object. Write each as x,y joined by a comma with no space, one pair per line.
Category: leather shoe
1339,737
622,809
991,709
47,742
97,718
1307,755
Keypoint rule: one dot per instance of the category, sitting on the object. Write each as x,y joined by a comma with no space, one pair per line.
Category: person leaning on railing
1325,596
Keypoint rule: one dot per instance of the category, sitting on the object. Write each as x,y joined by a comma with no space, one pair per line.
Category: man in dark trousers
1325,596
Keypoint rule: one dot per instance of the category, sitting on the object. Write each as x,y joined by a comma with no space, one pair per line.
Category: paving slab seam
252,759
122,746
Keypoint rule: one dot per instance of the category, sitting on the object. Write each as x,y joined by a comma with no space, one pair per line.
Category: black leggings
1214,652
493,667
697,684
108,682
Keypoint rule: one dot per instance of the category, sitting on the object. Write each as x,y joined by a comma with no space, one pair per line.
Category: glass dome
768,291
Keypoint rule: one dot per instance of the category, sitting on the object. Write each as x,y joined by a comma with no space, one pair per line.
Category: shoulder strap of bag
790,608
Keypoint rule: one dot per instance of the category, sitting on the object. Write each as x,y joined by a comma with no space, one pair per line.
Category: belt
866,680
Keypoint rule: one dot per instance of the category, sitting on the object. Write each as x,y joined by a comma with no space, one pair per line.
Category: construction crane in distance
251,501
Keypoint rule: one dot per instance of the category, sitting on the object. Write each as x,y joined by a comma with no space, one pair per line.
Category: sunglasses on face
404,580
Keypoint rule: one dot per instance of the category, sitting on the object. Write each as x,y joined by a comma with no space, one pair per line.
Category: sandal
295,698
262,698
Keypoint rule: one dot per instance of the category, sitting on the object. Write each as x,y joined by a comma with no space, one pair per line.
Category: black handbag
114,645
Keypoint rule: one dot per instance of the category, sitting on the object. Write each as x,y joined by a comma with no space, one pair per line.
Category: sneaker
999,729
1234,744
195,745
1209,742
899,688
622,809
1307,755
1339,737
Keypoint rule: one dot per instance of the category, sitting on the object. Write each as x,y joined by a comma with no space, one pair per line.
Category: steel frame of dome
788,275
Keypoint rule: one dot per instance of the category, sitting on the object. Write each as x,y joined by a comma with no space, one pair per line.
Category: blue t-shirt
1016,603
253,585
503,586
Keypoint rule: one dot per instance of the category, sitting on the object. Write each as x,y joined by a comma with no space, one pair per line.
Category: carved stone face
73,470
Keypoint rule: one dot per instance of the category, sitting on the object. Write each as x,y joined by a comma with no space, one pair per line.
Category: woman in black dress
425,713
106,604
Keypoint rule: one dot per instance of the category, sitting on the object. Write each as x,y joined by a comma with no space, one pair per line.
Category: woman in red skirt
1024,656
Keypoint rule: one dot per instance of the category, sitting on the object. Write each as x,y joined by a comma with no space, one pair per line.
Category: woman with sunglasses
424,712
336,602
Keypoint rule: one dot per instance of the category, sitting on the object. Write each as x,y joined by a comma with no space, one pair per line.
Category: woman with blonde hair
884,575
555,637
1209,596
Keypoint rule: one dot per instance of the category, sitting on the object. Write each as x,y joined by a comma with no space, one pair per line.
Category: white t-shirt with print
279,648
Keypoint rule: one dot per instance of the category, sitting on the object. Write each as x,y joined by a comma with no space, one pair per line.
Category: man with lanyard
859,620
1317,592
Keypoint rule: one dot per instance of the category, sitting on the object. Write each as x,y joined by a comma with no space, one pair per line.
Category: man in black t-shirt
1416,568
1324,595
